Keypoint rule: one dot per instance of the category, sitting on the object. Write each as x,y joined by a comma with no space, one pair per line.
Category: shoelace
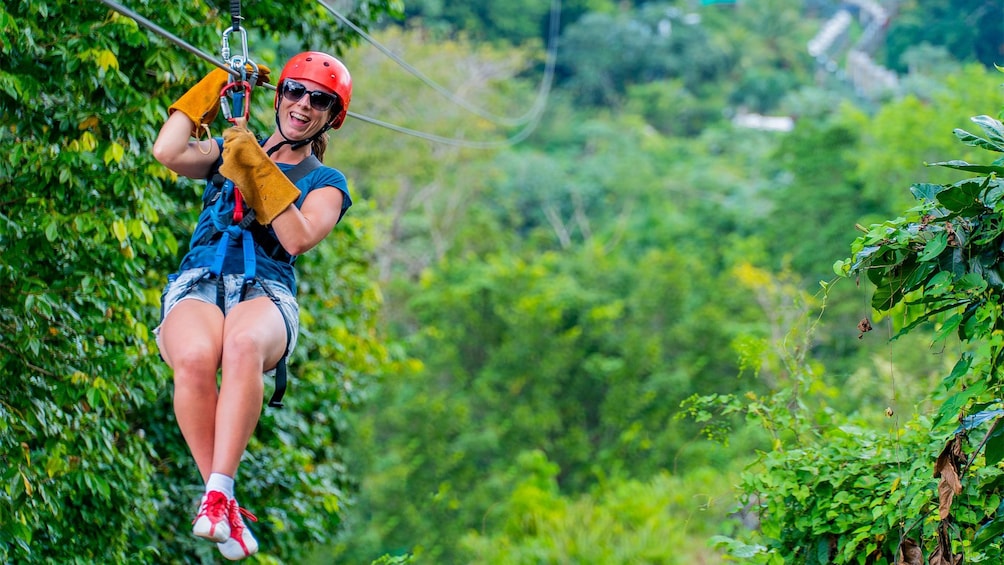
236,523
215,508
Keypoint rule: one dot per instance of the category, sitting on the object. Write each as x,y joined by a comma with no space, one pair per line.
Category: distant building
764,123
828,47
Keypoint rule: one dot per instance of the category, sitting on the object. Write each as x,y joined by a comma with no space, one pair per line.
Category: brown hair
319,146
320,143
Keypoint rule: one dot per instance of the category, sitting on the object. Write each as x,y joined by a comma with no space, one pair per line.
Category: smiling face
297,118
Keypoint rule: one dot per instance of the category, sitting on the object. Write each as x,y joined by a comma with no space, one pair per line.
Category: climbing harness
219,198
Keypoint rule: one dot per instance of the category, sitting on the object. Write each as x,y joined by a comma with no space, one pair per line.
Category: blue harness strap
232,231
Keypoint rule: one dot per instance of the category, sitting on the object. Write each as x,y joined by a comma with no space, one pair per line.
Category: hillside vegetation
684,293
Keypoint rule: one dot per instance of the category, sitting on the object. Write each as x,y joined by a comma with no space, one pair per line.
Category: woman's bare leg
191,339
254,339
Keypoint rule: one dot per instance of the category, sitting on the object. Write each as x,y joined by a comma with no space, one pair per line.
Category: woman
231,306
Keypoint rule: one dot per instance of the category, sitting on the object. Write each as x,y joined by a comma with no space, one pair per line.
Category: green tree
627,522
584,354
422,206
514,23
902,137
830,484
672,109
766,40
93,468
969,30
817,198
940,264
834,491
603,54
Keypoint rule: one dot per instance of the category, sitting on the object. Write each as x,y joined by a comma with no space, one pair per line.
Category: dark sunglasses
320,101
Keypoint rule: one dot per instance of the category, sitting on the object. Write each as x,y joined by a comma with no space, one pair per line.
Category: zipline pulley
239,91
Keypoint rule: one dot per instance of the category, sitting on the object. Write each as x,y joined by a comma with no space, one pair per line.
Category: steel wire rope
512,140
168,35
543,90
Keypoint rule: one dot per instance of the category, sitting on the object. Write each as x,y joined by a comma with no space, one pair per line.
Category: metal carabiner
225,48
240,89
239,105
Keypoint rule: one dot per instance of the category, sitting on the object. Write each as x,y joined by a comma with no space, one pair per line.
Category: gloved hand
202,102
266,189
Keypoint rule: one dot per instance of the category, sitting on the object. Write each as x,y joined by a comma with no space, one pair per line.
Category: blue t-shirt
202,254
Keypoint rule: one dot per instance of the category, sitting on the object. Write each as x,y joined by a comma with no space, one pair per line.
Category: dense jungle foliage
597,320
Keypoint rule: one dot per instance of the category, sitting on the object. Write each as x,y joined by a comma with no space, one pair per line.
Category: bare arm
301,229
176,149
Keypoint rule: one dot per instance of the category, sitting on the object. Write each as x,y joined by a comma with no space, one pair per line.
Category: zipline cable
518,137
512,140
168,35
542,93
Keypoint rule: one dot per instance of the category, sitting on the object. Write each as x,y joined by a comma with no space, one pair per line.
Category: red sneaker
212,521
240,543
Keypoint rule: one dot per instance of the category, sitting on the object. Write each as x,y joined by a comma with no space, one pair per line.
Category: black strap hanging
235,14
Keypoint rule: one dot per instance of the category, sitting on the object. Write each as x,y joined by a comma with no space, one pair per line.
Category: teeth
300,117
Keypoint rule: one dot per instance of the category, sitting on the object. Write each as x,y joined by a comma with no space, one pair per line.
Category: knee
195,367
242,348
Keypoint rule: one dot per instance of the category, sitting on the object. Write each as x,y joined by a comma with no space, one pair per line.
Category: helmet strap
294,144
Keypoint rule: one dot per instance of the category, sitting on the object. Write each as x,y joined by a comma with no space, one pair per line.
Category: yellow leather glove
266,189
202,102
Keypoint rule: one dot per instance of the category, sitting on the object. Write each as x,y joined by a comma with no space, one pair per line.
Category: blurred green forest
584,309
575,304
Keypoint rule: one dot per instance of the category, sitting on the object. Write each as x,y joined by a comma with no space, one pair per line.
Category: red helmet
324,70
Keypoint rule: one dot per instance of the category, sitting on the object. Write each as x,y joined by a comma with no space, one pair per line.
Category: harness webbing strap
235,14
280,384
280,369
250,265
303,168
280,366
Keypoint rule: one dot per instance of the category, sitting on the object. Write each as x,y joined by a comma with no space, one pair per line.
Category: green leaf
52,230
977,141
993,128
102,487
887,295
114,153
919,275
989,532
924,318
961,197
964,166
934,247
971,282
948,327
823,550
939,284
994,452
951,407
926,191
958,371
119,229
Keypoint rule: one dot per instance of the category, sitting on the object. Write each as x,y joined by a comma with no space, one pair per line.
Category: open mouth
299,119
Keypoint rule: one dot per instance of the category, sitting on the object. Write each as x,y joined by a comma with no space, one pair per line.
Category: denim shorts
199,284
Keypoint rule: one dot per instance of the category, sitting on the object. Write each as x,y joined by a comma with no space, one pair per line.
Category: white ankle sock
222,483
